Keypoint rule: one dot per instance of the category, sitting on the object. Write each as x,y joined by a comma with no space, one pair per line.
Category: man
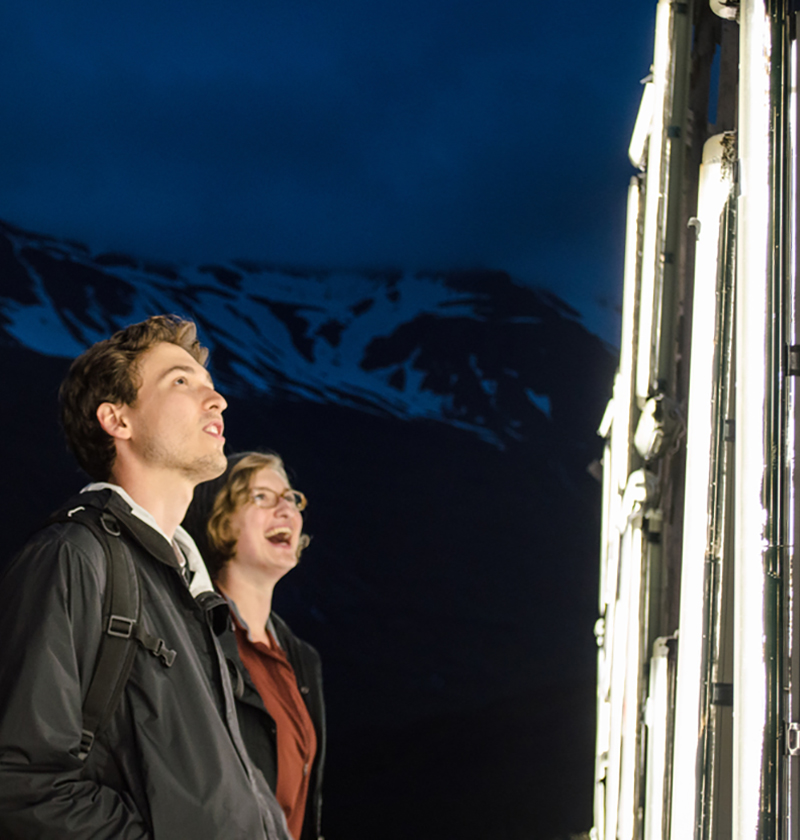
141,415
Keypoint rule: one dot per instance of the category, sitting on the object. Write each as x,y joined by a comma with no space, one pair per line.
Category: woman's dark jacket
258,727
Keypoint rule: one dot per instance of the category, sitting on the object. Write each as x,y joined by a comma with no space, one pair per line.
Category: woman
249,527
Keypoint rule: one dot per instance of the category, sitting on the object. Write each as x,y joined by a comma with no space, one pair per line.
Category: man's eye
181,380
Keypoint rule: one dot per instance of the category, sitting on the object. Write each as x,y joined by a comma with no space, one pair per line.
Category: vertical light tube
623,385
629,758
609,551
654,202
624,689
618,666
793,654
752,314
617,460
662,225
656,716
714,191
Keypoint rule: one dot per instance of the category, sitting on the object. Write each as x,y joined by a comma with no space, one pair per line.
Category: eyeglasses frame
300,503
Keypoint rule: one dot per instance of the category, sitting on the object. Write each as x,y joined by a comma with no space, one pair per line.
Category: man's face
176,423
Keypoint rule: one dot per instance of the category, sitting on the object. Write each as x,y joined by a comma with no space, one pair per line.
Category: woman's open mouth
281,536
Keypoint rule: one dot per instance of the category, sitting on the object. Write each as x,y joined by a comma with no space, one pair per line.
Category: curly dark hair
107,372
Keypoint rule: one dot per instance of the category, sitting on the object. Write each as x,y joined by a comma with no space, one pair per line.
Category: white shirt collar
201,581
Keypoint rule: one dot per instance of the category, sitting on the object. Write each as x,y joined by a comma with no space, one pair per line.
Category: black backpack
122,607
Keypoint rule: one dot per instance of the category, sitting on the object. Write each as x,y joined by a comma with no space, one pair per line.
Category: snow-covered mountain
473,350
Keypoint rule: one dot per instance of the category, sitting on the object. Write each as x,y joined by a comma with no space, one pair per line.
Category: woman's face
267,537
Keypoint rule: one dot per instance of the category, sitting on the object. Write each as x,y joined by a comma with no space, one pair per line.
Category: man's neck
165,497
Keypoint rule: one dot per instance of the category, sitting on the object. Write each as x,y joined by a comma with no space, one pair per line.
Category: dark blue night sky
428,134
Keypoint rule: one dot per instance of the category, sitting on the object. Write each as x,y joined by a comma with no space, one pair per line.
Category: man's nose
215,400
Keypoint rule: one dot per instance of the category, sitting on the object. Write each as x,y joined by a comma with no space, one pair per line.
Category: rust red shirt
276,683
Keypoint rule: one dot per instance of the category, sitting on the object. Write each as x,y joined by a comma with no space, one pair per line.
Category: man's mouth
279,536
215,429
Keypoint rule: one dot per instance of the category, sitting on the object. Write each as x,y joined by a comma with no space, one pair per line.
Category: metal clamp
793,738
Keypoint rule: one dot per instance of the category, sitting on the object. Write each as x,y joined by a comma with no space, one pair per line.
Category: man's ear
113,421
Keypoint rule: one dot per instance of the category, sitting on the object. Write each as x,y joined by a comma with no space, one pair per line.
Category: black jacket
170,764
258,727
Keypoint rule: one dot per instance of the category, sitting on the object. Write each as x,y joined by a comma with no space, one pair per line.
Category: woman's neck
253,598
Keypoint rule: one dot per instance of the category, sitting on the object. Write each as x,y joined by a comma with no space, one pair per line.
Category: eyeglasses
266,498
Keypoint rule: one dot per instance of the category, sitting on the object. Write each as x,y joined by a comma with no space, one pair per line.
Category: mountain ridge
369,340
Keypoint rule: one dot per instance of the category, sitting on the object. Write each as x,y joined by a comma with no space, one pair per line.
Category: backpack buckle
87,740
120,626
164,653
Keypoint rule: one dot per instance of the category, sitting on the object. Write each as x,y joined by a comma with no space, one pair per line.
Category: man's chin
209,466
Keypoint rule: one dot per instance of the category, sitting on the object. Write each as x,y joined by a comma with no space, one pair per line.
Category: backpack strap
121,624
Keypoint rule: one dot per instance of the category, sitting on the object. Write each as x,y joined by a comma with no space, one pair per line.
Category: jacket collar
142,526
244,625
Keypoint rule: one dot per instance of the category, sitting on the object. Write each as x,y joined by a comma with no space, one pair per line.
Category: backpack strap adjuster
87,739
120,626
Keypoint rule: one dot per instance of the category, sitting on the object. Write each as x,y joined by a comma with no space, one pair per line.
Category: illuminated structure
698,726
